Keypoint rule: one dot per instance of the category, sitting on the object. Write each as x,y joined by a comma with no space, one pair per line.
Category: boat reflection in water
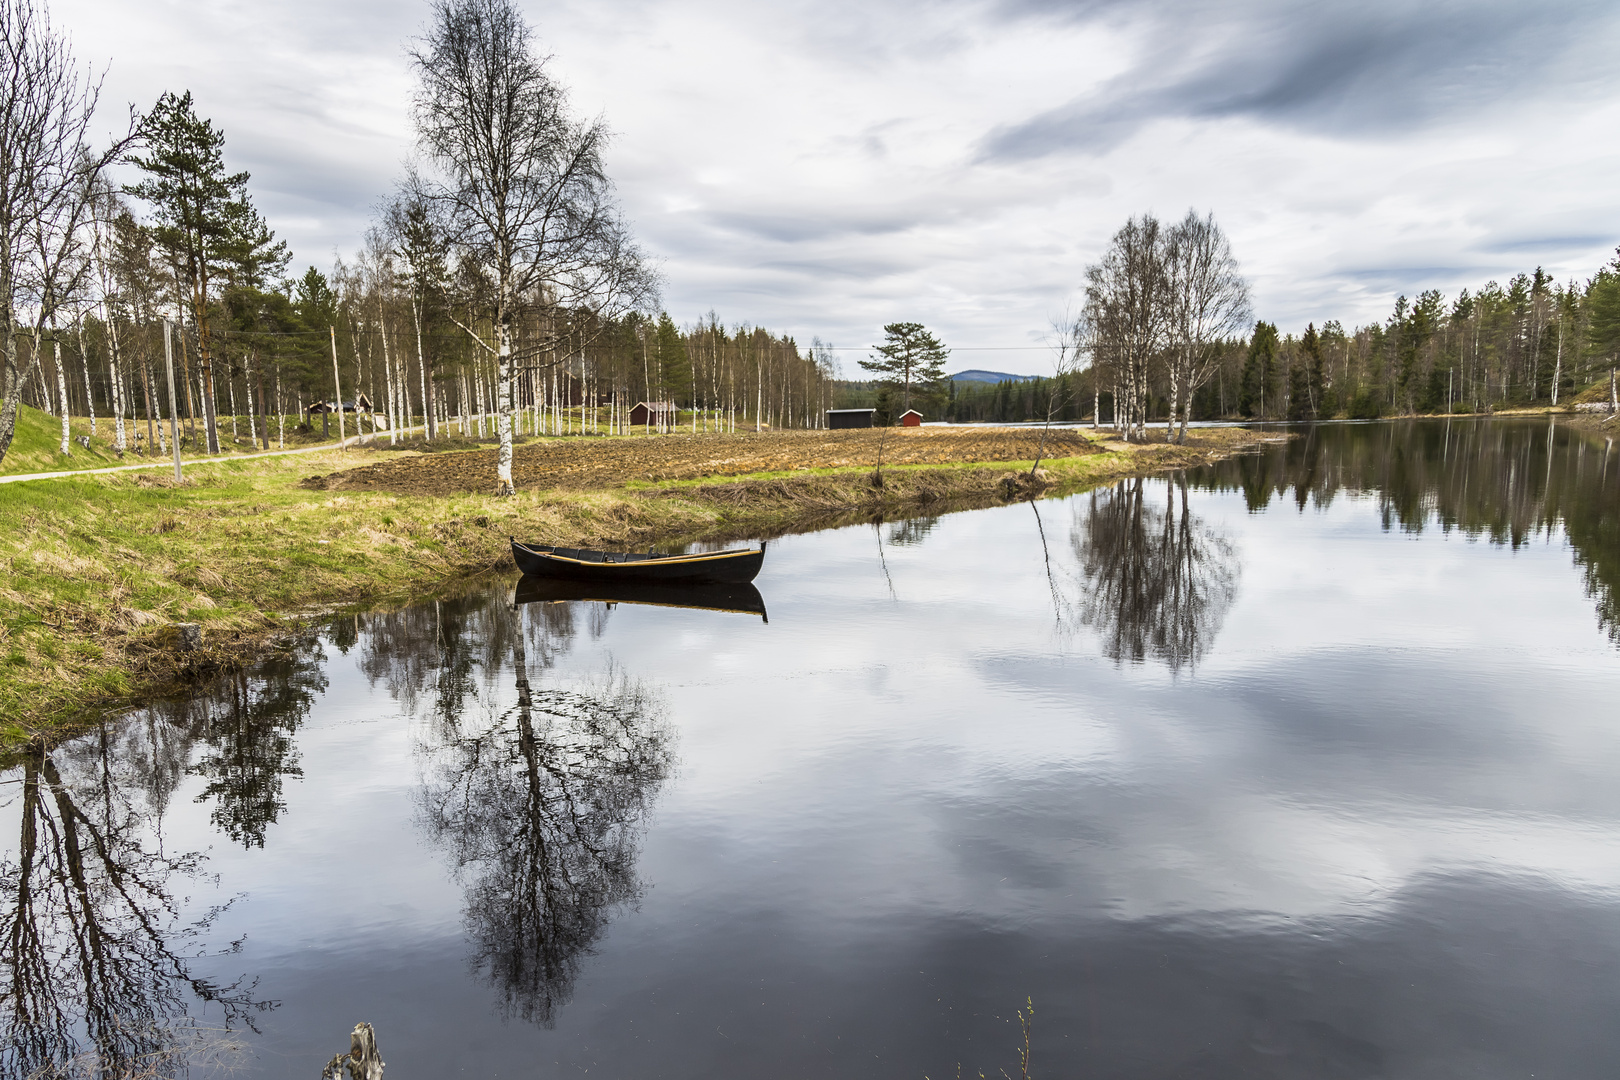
742,599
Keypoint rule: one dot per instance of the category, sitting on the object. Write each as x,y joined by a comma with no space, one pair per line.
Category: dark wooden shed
911,418
850,418
653,412
360,404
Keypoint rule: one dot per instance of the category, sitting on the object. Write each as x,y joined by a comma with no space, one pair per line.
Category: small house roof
851,410
664,406
911,412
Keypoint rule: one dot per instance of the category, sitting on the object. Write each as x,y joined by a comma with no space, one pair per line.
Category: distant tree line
1532,342
1159,338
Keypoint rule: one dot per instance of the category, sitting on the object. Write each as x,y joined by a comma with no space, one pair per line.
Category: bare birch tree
47,169
1126,293
1070,336
521,180
1208,301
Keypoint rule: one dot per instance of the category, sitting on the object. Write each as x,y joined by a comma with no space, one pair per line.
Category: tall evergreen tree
674,371
1258,395
200,210
1310,347
910,356
1603,305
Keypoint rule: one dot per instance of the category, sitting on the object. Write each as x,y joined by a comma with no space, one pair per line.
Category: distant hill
976,375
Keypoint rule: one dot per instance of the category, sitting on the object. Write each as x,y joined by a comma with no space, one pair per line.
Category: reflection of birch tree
541,806
1155,583
93,976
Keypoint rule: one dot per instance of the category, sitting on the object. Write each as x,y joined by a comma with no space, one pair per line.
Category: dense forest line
1534,342
280,350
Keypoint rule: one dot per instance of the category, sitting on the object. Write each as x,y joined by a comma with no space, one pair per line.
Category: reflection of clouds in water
1252,791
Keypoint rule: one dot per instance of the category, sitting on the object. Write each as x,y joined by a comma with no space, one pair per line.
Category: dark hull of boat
579,564
743,599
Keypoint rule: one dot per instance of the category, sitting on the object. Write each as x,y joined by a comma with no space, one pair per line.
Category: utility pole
168,363
337,388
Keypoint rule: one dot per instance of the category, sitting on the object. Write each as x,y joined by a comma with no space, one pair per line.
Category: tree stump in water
363,1062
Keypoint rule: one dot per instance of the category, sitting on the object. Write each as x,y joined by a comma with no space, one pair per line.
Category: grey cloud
803,227
1396,273
1346,69
1550,244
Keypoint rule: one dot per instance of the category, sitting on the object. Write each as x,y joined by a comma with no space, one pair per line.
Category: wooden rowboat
582,564
741,599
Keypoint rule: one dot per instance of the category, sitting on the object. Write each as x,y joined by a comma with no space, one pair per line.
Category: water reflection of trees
1156,581
540,804
909,532
1504,481
248,725
440,659
95,975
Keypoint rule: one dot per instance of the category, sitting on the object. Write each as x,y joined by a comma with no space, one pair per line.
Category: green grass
37,442
96,570
36,446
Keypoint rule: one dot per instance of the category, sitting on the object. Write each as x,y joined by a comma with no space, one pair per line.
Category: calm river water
1300,765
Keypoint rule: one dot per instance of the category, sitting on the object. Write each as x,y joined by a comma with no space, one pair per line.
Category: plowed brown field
599,463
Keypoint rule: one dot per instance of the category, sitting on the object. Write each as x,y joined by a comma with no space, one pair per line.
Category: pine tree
1603,305
1258,394
674,371
910,357
1310,348
200,209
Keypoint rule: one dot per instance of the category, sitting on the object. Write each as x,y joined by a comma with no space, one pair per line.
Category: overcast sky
823,168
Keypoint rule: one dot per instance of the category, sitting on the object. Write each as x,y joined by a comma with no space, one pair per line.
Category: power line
953,348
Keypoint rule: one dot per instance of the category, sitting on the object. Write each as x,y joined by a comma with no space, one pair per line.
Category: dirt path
185,463
596,463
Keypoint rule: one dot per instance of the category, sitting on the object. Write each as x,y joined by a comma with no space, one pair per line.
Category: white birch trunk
503,391
253,423
1558,364
429,402
61,386
89,397
389,381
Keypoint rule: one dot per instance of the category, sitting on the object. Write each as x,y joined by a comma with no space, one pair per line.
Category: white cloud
822,169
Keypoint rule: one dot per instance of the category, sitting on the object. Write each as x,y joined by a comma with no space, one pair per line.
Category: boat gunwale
661,560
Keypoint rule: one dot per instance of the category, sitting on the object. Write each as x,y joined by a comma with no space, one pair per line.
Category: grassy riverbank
98,570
